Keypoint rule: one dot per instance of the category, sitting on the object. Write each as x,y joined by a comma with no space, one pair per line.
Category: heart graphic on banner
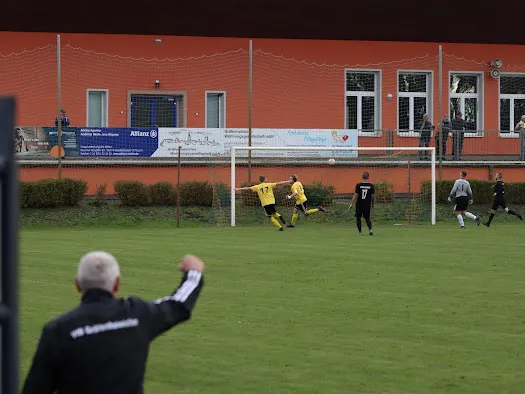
345,137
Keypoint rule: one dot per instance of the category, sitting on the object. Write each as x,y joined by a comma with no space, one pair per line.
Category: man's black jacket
102,345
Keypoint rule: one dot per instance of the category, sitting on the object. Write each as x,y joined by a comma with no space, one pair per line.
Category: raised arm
282,182
169,311
244,188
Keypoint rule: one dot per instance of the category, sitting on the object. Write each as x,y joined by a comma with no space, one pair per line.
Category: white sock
470,215
460,220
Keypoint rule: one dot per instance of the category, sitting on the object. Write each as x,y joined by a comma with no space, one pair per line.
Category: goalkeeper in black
499,200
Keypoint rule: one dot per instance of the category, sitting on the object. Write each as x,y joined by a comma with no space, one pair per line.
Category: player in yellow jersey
265,192
300,201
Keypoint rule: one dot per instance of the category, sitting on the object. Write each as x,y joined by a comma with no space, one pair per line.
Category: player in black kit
499,200
364,195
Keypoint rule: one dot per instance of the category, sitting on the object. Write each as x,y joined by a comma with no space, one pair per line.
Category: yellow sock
310,211
295,216
275,222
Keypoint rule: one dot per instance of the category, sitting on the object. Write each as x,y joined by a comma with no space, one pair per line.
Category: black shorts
301,207
461,204
362,212
499,201
269,209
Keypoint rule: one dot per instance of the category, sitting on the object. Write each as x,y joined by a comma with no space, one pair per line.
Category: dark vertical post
59,95
250,92
409,209
178,187
9,249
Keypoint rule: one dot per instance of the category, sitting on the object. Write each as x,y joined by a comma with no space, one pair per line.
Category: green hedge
384,192
163,193
197,194
133,193
482,191
51,193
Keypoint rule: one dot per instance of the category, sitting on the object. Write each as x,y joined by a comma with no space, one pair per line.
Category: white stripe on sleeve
189,285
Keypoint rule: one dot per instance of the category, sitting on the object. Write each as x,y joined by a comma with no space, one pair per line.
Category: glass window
97,108
215,110
362,101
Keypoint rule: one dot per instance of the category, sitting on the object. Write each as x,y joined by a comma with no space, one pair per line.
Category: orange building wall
342,178
307,92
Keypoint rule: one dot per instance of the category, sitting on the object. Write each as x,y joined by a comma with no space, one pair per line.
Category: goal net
404,180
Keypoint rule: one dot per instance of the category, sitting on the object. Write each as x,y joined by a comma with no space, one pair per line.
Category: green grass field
314,309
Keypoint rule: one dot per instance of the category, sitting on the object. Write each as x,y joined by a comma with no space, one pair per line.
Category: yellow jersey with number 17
265,193
300,197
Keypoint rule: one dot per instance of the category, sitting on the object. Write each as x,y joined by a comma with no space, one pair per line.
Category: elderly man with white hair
102,345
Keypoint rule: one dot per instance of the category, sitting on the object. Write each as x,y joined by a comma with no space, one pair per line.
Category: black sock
490,218
513,212
369,224
358,221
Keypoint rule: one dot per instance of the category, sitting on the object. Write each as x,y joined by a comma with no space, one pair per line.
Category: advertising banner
218,142
38,141
165,142
117,142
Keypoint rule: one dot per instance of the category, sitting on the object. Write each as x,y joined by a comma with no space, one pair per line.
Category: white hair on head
98,270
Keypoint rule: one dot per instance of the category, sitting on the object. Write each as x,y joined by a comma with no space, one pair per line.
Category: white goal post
432,151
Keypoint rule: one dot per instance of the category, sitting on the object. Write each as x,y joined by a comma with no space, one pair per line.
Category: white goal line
432,151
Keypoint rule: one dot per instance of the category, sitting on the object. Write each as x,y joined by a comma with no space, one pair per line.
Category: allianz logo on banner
137,133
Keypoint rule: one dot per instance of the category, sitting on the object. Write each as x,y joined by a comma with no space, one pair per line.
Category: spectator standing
520,128
64,120
458,135
102,345
445,130
425,133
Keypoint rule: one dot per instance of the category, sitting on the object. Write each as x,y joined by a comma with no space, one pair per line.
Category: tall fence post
178,186
59,97
440,106
8,250
250,91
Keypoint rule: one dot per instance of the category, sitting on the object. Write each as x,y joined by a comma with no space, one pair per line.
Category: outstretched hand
350,206
190,262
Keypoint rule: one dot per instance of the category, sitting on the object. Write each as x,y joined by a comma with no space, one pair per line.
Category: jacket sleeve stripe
184,291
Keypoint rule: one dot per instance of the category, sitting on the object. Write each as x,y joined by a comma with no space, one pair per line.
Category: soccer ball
331,162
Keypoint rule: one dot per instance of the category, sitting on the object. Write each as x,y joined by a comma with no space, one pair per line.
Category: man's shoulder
83,310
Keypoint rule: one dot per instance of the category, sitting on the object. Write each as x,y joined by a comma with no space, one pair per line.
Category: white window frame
462,96
105,111
222,108
428,95
511,97
377,94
